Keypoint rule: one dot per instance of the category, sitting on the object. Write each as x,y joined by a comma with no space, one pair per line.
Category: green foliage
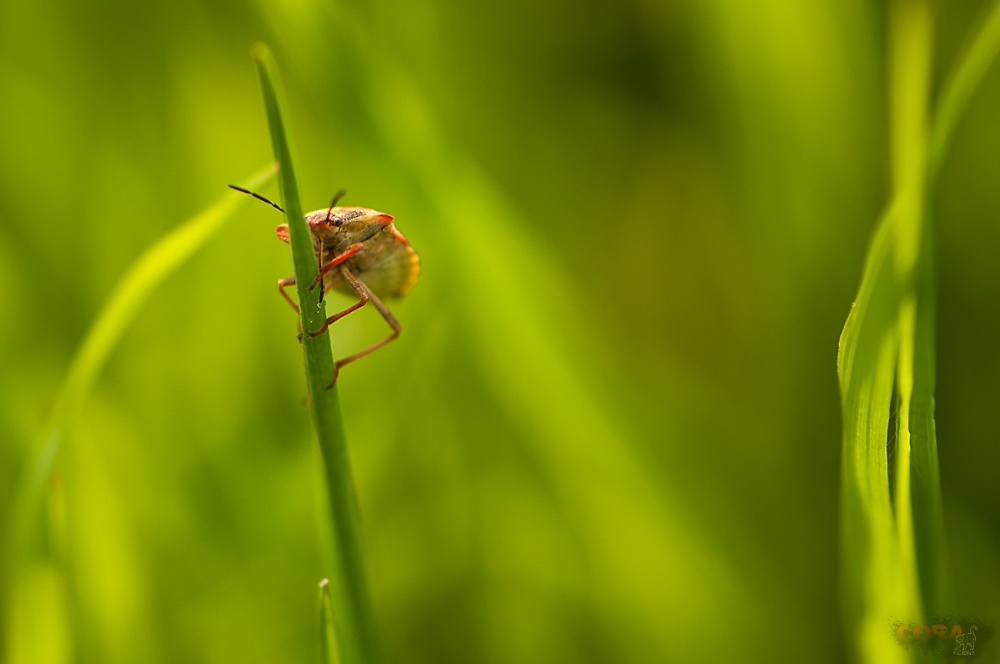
610,430
38,566
894,541
327,633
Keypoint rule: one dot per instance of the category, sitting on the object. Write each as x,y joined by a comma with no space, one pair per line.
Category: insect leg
329,265
319,266
282,284
334,318
290,281
365,294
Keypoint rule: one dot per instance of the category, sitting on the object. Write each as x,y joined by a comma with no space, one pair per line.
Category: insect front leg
334,318
284,283
323,270
334,262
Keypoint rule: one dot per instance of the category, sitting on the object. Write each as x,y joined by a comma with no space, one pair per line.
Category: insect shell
385,262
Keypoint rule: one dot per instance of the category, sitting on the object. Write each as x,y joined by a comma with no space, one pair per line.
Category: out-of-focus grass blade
934,566
962,83
351,605
327,634
929,537
877,366
895,560
873,586
27,540
585,451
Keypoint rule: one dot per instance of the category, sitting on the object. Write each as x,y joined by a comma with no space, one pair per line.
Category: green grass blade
878,364
152,268
895,557
910,75
121,308
351,606
929,536
869,346
959,86
929,532
134,289
327,634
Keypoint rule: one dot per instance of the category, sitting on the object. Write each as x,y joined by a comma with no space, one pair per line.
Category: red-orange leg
284,283
334,318
323,270
334,262
365,294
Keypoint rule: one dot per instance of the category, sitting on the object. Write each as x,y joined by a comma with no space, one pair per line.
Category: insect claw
333,380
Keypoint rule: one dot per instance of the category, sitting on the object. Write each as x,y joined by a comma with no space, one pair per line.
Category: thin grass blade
327,633
349,593
936,575
961,84
877,365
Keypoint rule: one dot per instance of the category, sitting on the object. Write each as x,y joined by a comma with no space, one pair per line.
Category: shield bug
359,251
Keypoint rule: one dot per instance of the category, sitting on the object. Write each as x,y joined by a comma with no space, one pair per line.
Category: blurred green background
610,430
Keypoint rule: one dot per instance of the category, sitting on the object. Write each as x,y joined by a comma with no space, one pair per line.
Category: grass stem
350,605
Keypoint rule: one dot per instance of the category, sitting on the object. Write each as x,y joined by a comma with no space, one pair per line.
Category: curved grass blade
877,366
351,606
960,85
132,292
895,559
869,348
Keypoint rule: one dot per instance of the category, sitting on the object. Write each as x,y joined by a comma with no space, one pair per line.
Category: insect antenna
258,197
322,249
333,203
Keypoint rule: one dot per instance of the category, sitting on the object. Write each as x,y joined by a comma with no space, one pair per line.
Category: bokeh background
610,430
